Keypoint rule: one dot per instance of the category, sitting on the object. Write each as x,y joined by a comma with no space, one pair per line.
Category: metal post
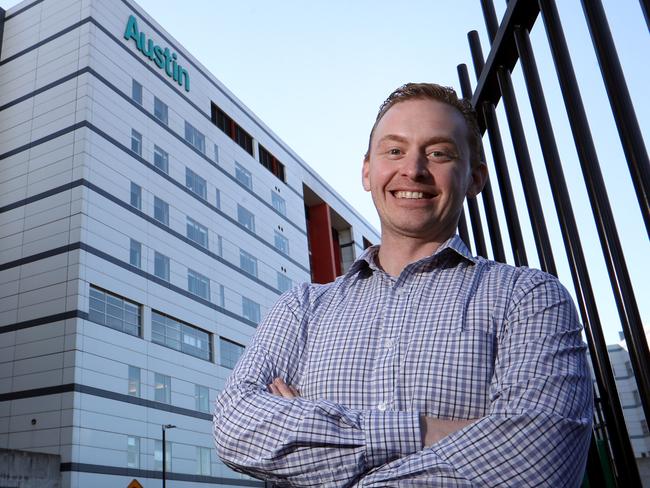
614,419
525,165
462,230
164,453
610,243
490,16
621,103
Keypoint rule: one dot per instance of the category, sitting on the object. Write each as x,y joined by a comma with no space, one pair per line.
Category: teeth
409,194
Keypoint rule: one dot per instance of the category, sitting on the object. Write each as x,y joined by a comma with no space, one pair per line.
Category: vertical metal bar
490,16
488,197
621,103
474,214
525,165
503,177
610,243
620,444
164,459
645,7
462,230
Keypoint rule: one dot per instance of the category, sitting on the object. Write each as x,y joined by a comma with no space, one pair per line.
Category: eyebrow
432,140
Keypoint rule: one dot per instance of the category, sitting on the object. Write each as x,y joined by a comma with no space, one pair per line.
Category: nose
415,166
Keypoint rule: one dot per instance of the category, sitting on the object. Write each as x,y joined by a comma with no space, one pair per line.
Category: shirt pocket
449,373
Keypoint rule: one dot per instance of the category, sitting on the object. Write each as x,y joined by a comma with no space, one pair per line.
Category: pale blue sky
316,72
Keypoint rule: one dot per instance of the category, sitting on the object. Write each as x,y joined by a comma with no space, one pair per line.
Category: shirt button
389,343
381,407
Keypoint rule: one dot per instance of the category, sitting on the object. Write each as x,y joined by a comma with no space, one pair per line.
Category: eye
394,151
440,155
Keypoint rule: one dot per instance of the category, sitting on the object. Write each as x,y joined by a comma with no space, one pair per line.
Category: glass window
644,427
198,284
220,245
136,196
197,232
133,452
203,457
216,153
160,110
230,352
134,381
248,262
250,309
194,137
162,388
161,159
245,218
178,335
278,203
135,254
161,210
222,296
136,142
196,184
217,202
281,243
243,176
114,311
136,92
161,266
157,455
202,398
284,282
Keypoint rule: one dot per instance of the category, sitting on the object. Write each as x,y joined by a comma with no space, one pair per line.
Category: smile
412,195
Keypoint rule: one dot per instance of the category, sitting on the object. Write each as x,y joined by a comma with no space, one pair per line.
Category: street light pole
164,453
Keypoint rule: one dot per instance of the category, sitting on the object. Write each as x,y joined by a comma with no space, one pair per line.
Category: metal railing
510,43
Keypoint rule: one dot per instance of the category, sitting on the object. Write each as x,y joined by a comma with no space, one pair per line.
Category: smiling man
422,365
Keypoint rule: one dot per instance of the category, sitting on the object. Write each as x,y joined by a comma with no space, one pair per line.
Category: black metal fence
510,43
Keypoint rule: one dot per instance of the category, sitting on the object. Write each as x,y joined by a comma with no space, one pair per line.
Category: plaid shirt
453,337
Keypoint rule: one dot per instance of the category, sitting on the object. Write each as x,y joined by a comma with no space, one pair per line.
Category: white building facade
148,220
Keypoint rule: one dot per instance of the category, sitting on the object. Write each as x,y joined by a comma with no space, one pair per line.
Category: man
422,365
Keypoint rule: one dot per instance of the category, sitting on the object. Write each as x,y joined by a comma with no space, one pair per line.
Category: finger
283,388
295,392
273,390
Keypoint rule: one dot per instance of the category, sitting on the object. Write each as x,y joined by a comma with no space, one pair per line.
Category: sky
316,72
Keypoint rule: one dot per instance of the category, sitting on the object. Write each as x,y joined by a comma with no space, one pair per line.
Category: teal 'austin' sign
163,58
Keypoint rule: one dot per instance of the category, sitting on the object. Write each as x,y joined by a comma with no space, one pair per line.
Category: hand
279,388
433,429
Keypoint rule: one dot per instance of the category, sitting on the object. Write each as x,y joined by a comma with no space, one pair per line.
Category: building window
220,246
161,210
161,266
278,203
637,398
194,137
628,369
198,284
162,388
203,457
232,129
284,282
245,218
134,381
136,92
161,159
114,311
243,176
270,162
183,337
644,427
157,455
136,196
222,296
133,452
281,243
216,153
248,262
197,232
217,201
202,398
135,254
136,142
230,352
250,310
196,184
160,110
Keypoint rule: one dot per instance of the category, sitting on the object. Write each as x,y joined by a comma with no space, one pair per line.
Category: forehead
423,117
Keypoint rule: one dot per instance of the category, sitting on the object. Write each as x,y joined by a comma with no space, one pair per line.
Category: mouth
411,195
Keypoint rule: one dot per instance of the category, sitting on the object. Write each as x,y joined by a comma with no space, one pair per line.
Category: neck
395,254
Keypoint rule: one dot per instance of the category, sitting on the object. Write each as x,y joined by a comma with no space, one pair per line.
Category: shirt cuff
390,435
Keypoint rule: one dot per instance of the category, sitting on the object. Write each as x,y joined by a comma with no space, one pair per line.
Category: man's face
418,170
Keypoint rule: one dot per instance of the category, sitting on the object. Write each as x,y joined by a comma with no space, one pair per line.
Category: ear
365,174
479,176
